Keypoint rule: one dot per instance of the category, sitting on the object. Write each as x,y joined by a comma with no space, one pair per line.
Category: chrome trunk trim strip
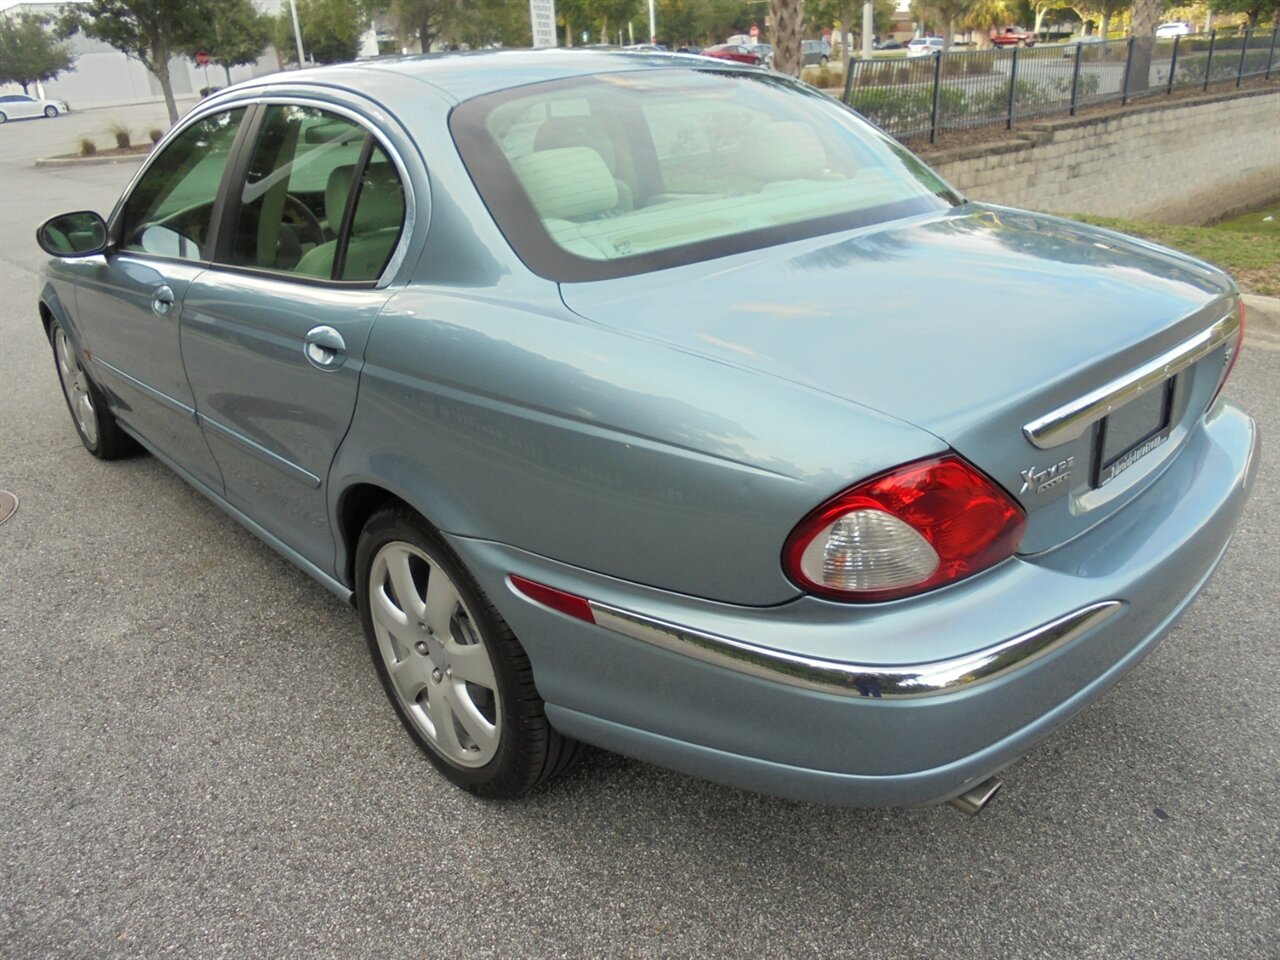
1071,420
910,681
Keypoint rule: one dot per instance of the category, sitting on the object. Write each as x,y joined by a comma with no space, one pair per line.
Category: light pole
653,25
297,33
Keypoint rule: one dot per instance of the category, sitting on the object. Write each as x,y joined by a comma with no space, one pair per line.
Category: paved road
197,761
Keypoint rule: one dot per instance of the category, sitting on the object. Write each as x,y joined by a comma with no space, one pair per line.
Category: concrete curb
1262,320
89,161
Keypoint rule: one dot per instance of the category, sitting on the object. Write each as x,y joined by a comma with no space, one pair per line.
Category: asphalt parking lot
196,759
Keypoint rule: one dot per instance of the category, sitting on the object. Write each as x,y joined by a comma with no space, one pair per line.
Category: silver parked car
640,401
18,106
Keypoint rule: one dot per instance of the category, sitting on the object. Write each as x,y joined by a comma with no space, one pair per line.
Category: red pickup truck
1013,37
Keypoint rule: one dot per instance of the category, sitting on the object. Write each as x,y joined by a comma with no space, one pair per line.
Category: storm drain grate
8,505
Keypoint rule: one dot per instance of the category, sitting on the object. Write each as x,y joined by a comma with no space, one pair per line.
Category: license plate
1133,431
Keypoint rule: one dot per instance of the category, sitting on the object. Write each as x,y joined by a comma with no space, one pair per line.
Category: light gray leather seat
379,216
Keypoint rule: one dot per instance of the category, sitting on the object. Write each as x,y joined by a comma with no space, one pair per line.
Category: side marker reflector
567,603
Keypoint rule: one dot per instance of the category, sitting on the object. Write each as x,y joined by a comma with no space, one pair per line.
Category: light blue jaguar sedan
663,404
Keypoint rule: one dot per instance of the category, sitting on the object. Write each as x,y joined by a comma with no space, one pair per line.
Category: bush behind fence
970,88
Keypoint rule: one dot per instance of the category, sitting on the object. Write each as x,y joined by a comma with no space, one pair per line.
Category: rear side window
320,199
607,176
170,211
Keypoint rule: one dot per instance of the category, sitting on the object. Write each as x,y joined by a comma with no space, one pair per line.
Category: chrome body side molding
909,681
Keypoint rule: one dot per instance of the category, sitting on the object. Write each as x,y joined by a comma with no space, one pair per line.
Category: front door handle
325,348
162,300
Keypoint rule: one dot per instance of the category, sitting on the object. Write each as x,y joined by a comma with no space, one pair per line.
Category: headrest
575,132
785,150
567,183
381,201
335,193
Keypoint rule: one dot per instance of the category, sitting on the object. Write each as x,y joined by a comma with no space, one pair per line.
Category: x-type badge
1038,481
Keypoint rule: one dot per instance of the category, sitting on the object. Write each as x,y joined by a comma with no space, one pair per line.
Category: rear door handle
325,348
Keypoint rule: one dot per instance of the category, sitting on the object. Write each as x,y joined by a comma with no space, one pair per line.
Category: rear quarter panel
531,427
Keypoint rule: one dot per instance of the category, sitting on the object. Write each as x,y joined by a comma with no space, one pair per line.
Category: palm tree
788,28
986,15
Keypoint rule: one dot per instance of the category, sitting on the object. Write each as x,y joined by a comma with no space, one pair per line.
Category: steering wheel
304,224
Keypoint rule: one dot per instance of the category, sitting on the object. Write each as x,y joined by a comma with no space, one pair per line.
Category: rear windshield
618,174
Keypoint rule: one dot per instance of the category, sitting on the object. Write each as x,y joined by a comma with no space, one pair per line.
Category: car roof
462,76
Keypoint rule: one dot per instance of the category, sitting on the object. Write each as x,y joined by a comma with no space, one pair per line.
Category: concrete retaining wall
1173,161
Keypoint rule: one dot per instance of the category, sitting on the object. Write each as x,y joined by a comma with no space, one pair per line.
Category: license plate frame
1127,435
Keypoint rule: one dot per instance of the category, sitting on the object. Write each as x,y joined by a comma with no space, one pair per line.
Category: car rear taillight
919,526
1233,353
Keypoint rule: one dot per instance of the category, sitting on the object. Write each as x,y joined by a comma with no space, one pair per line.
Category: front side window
170,211
320,199
630,172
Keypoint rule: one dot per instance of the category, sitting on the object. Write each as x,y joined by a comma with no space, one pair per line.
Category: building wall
1174,161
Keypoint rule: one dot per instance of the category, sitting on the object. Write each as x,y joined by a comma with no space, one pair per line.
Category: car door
130,300
274,334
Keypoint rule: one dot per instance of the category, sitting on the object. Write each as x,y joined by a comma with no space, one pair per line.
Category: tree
609,15
150,31
679,21
788,29
1251,9
484,23
330,31
847,16
235,37
423,21
1040,9
951,13
1146,17
29,53
572,14
985,16
1104,10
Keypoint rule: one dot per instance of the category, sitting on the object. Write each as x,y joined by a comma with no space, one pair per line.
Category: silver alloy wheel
75,384
439,668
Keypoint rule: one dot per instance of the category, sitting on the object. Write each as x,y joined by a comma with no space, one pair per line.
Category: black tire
4,117
523,751
86,403
50,112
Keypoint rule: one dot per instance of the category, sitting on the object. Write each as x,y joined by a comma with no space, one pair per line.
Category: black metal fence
970,88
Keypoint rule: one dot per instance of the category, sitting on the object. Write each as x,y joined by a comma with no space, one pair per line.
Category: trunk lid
970,325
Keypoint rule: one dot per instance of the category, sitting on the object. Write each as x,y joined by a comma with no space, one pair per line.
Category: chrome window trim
869,681
1070,421
394,264
410,196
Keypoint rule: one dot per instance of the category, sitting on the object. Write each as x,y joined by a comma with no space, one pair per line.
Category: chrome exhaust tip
972,801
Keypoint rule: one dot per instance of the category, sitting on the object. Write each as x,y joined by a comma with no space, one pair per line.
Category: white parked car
924,46
1168,31
17,106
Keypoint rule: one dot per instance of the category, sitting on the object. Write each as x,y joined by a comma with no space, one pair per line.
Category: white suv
1167,31
924,46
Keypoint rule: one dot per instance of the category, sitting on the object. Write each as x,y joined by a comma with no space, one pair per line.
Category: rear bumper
969,677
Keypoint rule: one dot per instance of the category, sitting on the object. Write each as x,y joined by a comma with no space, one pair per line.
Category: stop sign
755,31
202,59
